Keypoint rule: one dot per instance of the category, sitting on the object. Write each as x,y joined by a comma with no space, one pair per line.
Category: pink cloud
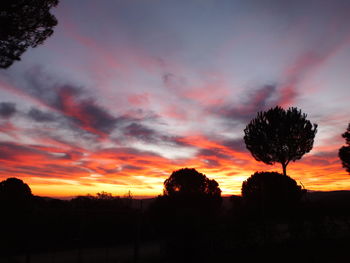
142,99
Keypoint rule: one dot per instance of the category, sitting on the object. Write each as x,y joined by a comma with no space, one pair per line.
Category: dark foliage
344,152
23,24
279,135
186,215
102,201
271,195
188,196
97,216
192,229
15,207
38,223
188,181
14,194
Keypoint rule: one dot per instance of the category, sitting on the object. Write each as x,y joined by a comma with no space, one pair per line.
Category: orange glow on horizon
153,186
51,171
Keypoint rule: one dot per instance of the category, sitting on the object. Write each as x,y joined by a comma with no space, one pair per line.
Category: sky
125,92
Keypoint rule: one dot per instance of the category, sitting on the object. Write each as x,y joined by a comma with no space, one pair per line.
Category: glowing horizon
123,93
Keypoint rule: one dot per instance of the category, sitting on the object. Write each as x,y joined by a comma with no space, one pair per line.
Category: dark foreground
319,251
125,230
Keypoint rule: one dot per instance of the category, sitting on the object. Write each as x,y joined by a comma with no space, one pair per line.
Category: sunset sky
125,92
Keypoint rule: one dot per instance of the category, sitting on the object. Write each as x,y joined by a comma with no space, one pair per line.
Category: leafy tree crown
14,188
188,181
24,23
271,184
271,193
15,195
279,135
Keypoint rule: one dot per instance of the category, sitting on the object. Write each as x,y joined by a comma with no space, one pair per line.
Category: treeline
189,221
33,223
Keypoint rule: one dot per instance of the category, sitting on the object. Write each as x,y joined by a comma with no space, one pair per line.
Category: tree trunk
284,166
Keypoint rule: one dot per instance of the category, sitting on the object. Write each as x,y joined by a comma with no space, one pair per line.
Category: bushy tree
271,193
188,181
23,24
344,152
188,208
189,192
15,194
16,214
279,135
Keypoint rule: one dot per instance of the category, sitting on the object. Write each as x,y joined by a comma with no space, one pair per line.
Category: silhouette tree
188,195
23,24
188,208
344,152
188,181
15,194
16,211
271,193
279,135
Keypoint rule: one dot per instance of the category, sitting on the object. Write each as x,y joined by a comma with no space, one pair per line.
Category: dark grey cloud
72,155
211,163
252,102
132,167
71,102
124,153
41,86
9,151
7,109
235,144
212,152
149,135
141,132
41,116
84,112
96,116
73,112
76,109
